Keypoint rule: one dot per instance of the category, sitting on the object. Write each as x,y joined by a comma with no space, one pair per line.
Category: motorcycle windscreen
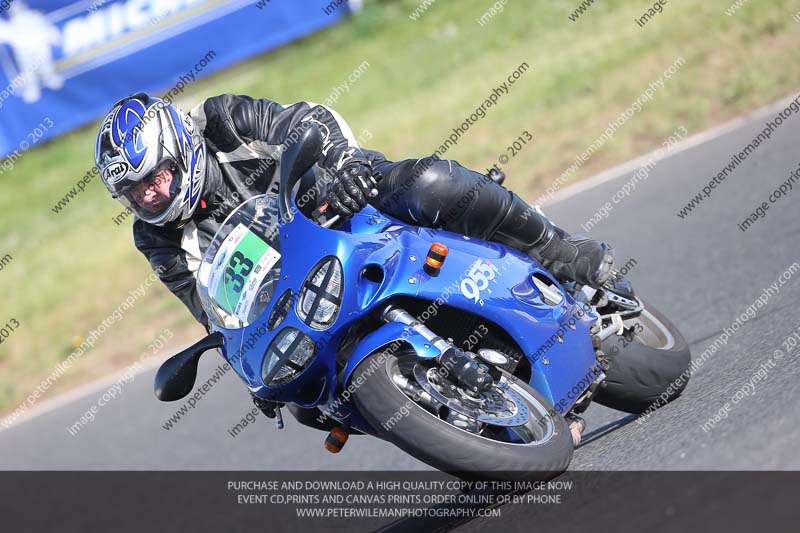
242,266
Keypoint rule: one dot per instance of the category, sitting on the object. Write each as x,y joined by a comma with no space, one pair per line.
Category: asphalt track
702,272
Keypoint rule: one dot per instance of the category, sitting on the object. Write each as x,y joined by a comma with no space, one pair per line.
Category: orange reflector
435,258
336,440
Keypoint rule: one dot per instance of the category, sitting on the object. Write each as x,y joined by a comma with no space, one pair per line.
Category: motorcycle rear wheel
402,420
655,363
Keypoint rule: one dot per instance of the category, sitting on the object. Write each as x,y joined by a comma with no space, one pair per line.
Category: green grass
71,270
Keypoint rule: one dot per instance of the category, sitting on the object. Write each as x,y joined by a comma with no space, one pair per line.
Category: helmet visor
152,196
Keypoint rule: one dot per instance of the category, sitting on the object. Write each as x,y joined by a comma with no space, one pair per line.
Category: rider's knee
436,176
436,184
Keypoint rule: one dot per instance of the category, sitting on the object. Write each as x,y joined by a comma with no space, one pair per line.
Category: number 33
245,267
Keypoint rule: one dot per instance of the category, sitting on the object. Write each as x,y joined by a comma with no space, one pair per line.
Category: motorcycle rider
181,175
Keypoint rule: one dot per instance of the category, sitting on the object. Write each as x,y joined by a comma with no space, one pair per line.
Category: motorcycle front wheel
509,433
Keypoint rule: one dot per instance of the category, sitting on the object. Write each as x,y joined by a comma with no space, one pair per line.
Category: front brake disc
499,406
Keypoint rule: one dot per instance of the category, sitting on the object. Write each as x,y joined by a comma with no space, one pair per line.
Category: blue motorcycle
466,354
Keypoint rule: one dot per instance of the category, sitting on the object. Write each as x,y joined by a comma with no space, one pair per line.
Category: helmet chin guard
140,134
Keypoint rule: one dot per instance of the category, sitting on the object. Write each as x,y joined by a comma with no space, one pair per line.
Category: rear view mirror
296,161
176,376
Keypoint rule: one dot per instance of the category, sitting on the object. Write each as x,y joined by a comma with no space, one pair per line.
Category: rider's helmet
151,157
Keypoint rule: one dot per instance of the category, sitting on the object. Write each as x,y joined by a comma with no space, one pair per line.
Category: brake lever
331,221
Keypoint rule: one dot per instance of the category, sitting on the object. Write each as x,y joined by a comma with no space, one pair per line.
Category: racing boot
568,258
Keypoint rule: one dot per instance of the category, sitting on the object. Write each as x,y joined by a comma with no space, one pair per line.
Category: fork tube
397,314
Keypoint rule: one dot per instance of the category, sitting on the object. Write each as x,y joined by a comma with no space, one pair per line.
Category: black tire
645,368
448,448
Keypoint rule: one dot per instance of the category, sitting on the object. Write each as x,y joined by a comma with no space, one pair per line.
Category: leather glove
350,189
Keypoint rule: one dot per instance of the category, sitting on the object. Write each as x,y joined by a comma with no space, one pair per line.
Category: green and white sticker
240,265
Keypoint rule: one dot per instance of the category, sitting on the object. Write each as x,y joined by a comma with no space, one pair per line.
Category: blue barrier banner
63,64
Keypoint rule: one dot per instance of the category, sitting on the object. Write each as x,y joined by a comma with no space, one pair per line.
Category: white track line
79,392
693,141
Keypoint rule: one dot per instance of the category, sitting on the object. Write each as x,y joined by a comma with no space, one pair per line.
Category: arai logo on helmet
114,172
126,132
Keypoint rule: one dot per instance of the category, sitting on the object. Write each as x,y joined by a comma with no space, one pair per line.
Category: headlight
321,294
289,354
